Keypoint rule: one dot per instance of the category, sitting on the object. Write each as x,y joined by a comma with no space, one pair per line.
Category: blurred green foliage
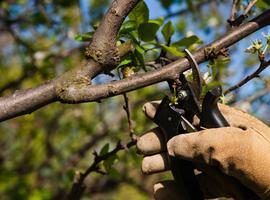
41,152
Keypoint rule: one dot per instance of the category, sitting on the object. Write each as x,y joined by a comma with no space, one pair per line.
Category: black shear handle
169,121
211,117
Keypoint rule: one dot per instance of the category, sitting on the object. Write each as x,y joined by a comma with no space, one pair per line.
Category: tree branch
233,21
249,6
127,110
168,72
103,45
184,11
255,74
27,101
70,87
233,10
254,97
78,186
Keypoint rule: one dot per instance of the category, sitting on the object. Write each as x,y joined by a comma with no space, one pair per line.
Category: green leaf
139,56
188,41
105,149
114,173
125,61
210,86
108,163
140,14
84,37
263,4
167,31
158,21
173,50
189,4
127,27
147,31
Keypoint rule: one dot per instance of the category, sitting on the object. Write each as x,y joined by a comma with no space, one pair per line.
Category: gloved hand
226,156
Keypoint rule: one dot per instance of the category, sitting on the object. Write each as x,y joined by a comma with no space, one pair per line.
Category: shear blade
195,73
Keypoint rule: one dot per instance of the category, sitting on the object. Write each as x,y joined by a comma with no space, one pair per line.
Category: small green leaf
263,4
108,163
84,37
140,14
126,61
189,5
114,173
139,56
210,86
147,31
158,21
173,50
167,31
127,27
187,41
105,149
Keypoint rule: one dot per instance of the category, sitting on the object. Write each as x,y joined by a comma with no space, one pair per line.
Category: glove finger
169,190
215,185
152,142
240,119
214,147
156,163
150,109
232,150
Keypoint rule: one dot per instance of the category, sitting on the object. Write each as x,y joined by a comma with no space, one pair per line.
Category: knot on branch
106,55
67,88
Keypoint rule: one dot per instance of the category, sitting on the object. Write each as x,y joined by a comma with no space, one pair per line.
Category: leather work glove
225,156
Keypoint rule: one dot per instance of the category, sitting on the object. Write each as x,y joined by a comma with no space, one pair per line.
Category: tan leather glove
226,156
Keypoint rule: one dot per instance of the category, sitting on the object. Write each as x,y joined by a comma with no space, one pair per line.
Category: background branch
254,97
255,74
78,186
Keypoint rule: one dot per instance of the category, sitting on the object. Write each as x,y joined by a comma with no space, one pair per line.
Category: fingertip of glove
150,108
179,146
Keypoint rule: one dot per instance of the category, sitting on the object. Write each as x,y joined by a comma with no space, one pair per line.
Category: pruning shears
176,118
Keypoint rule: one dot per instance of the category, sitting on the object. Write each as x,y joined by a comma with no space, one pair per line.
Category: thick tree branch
27,101
70,88
168,72
103,45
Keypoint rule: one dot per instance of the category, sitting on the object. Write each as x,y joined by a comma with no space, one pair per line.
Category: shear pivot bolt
182,94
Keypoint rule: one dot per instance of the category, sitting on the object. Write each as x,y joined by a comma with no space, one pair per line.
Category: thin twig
78,186
249,6
234,10
255,74
233,21
254,97
186,10
127,110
